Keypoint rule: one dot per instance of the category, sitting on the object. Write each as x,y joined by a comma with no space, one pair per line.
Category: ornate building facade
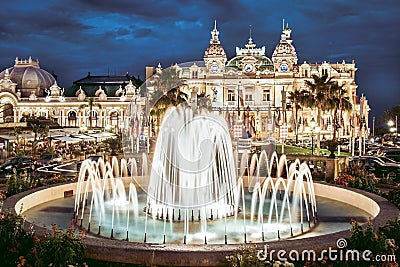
255,89
97,101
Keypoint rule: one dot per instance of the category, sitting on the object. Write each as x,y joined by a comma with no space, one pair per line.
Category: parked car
393,154
49,159
378,167
388,160
14,165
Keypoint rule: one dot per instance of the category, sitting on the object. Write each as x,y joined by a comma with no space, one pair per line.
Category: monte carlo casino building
251,89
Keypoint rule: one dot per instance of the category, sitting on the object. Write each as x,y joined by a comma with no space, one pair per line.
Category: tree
38,130
337,102
296,98
90,102
17,131
160,102
318,97
115,144
389,115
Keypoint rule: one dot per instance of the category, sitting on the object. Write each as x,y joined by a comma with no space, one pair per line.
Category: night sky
74,37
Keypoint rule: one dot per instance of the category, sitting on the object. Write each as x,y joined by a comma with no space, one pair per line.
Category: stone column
332,169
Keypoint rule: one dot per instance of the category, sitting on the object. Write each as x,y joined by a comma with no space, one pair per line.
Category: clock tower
284,56
214,56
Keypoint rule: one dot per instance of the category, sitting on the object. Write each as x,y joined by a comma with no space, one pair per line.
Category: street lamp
391,124
314,129
391,128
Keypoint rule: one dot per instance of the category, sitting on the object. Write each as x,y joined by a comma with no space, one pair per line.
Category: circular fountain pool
334,216
46,206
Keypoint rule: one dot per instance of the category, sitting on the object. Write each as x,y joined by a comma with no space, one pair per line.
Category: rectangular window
266,95
249,97
231,95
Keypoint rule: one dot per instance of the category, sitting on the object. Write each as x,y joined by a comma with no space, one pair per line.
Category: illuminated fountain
198,190
194,186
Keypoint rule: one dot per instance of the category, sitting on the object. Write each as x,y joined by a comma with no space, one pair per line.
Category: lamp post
314,129
391,128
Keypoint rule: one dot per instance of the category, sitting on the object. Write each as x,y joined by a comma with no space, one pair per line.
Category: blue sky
74,37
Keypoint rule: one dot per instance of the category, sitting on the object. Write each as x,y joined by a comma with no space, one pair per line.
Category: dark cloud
140,33
151,9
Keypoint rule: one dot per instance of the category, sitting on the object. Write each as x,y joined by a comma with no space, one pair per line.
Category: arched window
8,112
114,118
93,118
72,118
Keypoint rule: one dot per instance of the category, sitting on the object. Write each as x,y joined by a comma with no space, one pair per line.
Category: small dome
262,62
283,49
215,50
251,54
29,77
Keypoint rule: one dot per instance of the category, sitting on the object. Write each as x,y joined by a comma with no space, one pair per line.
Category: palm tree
38,130
295,98
319,90
318,97
338,102
160,102
90,102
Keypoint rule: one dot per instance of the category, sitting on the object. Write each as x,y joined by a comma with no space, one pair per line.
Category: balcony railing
249,103
266,103
231,103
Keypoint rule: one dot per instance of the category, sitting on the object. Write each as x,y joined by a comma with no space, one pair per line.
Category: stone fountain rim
107,249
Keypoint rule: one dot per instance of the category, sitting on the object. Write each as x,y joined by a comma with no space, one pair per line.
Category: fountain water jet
194,188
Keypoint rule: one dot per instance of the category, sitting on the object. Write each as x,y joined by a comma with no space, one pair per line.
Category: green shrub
377,242
60,248
17,184
391,232
366,239
22,248
16,244
394,197
356,176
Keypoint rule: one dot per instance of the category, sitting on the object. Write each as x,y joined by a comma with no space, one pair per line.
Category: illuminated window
266,95
231,95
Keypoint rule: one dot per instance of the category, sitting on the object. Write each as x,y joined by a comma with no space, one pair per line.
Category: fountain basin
114,250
